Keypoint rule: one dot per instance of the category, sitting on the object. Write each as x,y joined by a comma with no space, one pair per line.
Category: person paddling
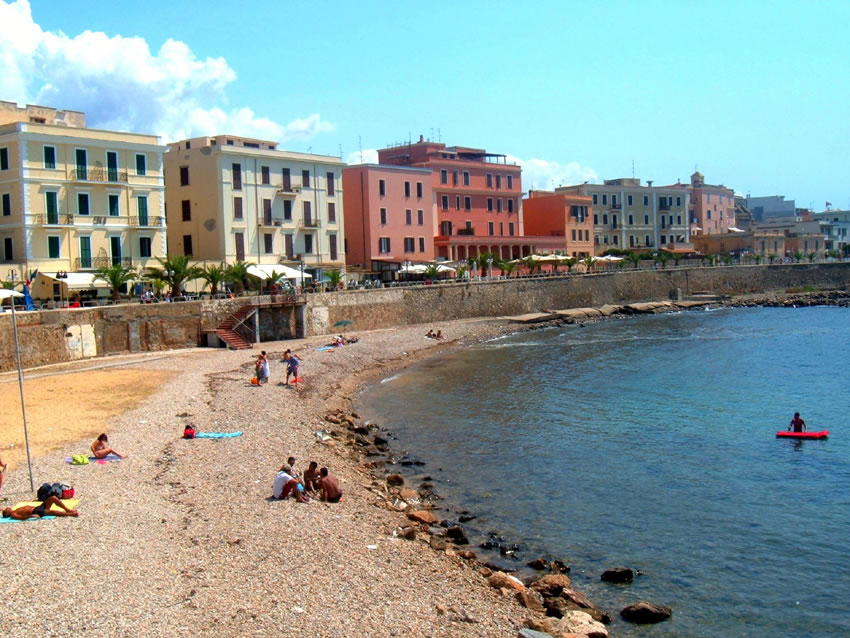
797,424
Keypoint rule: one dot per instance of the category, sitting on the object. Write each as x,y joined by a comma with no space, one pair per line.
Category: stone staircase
227,333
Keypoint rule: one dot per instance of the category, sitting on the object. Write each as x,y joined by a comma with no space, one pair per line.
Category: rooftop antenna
439,136
360,146
432,135
633,169
340,151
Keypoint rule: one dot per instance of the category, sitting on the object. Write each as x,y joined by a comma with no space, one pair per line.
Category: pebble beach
182,537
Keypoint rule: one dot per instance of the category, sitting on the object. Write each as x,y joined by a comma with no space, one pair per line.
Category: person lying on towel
37,511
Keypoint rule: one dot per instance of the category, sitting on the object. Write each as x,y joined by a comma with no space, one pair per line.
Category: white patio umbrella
5,293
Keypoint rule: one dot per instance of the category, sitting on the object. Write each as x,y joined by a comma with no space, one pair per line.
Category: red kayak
803,435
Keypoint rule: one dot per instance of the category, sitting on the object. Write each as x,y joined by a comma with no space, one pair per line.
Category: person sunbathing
100,450
430,334
439,335
37,511
329,487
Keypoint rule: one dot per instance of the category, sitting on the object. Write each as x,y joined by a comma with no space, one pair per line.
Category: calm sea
650,442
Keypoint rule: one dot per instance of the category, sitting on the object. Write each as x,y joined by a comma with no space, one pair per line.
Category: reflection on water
650,442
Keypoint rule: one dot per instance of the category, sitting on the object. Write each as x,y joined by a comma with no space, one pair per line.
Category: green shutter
143,211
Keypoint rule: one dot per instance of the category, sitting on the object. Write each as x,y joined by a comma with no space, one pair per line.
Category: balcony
465,231
617,205
95,263
308,222
289,189
53,220
147,222
97,174
663,206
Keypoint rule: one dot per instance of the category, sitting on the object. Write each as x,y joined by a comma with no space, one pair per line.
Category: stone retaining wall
55,336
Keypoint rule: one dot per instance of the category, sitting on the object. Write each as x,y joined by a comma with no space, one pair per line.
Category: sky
756,95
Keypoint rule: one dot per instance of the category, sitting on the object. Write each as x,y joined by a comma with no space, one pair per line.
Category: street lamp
301,260
490,267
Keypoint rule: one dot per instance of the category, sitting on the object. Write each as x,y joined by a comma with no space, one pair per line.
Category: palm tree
531,263
588,262
771,257
116,276
758,258
175,272
213,275
507,267
662,257
798,256
237,274
634,258
812,257
273,279
834,254
485,260
335,277
728,259
677,257
569,262
431,271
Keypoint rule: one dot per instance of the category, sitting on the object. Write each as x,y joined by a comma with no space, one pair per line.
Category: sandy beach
181,537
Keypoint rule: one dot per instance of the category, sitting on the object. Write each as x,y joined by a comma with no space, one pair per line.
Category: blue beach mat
217,435
26,520
326,348
94,459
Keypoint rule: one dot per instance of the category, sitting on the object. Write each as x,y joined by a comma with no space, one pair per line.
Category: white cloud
366,156
120,84
545,175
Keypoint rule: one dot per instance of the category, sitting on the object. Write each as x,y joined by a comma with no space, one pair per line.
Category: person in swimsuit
38,511
329,487
100,450
2,471
292,361
311,477
797,424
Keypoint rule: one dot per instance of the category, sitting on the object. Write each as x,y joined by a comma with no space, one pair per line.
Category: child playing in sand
292,362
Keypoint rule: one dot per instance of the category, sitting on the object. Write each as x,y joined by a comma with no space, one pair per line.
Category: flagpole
21,386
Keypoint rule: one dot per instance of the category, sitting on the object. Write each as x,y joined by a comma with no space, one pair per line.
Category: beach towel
94,459
326,349
70,503
217,435
15,520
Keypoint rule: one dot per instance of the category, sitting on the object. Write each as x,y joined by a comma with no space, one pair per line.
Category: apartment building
836,229
627,215
712,207
233,198
561,215
389,215
75,199
477,200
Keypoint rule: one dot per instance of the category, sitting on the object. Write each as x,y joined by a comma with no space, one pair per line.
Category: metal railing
97,174
147,221
95,263
53,220
309,223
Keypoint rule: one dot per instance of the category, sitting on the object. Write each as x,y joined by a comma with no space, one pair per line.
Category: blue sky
755,94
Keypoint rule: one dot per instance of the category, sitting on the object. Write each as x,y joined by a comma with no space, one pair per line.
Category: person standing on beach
262,368
292,362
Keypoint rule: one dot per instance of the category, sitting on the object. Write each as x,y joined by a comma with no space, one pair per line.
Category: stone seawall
55,336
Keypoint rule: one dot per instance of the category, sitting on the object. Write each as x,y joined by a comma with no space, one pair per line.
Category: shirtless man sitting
311,477
329,487
37,511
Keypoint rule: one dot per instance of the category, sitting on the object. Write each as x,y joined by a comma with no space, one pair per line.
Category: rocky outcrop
618,575
644,612
501,580
551,584
423,516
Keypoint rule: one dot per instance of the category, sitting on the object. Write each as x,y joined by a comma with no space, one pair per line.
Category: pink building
712,207
389,216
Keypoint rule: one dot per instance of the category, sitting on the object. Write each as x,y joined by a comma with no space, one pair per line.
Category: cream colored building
627,215
234,199
74,199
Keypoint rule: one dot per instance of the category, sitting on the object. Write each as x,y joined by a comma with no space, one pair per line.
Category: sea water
649,442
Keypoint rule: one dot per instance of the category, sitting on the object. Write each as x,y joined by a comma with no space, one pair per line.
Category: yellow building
74,199
234,199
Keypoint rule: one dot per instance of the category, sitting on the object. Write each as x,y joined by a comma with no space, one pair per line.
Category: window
587,235
466,178
308,213
189,145
574,234
81,158
82,204
709,215
268,243
646,240
604,219
239,243
408,217
646,220
604,199
267,212
419,190
288,246
595,218
457,202
407,189
510,182
444,202
490,204
51,206
4,159
679,220
670,219
614,221
709,198
499,205
7,204
663,240
331,184
305,179
186,207
613,201
421,244
332,212
142,206
49,157
444,175
187,245
287,179
511,229
145,245
112,204
616,240
489,180
237,176
142,166
9,253
237,208
111,166
383,216
595,198
467,203
265,175
382,187
52,247
332,246
629,199
510,205
498,181
409,245
491,228
420,217
605,239
383,245
646,200
455,175
631,220
308,244
502,228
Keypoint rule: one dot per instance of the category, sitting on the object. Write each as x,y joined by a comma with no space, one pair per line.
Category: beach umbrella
5,293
